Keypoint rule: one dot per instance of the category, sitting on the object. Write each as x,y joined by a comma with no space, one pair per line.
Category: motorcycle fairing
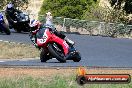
1,22
41,41
1,17
49,37
61,42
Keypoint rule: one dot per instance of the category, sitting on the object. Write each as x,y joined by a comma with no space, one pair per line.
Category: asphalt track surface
96,51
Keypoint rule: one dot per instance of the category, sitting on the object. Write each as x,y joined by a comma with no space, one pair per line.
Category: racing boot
70,55
37,46
70,42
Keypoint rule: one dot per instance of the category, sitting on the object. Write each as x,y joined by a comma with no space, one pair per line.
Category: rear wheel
26,27
77,57
17,27
18,30
57,52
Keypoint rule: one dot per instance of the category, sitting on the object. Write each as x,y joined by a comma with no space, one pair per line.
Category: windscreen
40,33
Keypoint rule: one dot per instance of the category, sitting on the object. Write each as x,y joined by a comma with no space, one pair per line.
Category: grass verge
52,78
17,51
55,82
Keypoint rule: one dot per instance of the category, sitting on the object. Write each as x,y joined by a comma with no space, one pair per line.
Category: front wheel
25,27
57,52
6,29
43,56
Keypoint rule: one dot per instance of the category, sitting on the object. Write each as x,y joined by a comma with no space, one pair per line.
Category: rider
36,26
10,10
49,21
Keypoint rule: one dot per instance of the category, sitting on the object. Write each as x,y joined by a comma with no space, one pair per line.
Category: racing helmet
35,24
48,13
10,6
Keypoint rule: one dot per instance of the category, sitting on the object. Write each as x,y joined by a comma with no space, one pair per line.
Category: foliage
17,3
67,8
128,6
98,14
93,12
118,4
106,14
115,16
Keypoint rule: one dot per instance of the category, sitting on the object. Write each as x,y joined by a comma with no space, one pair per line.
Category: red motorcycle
54,47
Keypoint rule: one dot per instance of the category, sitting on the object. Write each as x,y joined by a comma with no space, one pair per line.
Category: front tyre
6,29
43,56
56,52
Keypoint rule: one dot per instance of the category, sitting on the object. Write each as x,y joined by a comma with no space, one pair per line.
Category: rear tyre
43,56
18,30
26,27
58,55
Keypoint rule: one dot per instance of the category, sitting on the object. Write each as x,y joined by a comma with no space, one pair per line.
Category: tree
66,8
118,4
92,11
128,6
17,3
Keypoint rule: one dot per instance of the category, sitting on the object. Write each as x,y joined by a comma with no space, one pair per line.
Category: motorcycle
20,21
3,26
54,47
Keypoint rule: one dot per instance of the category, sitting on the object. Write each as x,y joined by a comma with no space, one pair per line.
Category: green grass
17,51
55,82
